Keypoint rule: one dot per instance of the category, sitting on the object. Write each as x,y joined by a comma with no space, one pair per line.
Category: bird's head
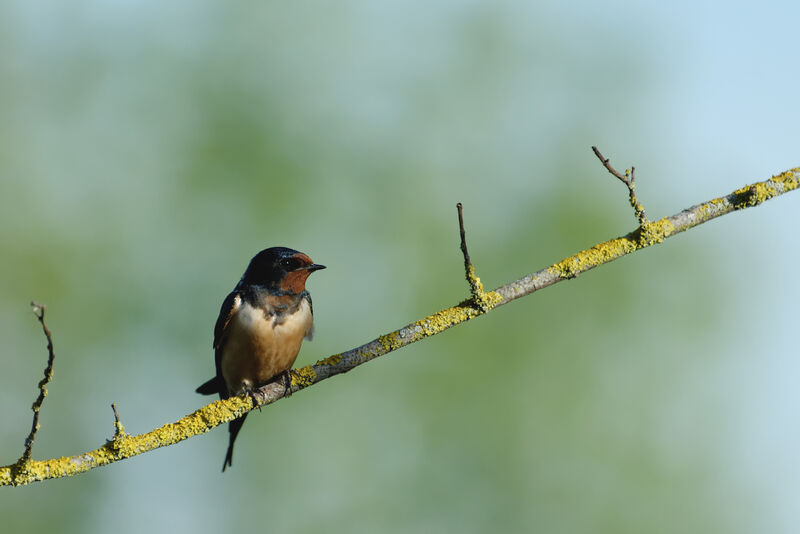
280,268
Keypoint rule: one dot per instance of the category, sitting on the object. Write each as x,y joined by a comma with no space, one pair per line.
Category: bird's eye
288,263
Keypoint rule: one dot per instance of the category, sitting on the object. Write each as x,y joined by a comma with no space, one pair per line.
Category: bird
260,328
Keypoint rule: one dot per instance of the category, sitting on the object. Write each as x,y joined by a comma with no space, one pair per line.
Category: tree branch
222,411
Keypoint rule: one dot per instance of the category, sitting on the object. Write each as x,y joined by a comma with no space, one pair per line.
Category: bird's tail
233,428
210,387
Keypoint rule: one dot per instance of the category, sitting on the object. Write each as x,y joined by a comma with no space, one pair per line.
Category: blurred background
149,149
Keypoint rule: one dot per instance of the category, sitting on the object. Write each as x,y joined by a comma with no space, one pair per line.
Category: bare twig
119,429
224,411
38,311
629,180
467,261
480,298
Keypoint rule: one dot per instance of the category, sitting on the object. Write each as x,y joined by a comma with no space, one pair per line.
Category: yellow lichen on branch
485,300
303,377
755,194
649,234
124,446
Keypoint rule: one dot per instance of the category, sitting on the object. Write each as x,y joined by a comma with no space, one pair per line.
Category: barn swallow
260,327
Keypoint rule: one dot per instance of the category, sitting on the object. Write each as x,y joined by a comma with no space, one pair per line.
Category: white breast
258,347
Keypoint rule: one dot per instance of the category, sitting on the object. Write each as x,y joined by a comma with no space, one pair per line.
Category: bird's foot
253,394
287,382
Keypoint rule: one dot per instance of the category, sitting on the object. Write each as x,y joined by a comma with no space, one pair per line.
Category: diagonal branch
222,411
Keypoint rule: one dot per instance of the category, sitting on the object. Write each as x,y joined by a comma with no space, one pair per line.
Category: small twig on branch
480,298
467,261
119,429
629,180
38,311
223,411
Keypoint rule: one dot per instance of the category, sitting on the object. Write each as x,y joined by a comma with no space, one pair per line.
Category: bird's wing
229,308
307,295
310,333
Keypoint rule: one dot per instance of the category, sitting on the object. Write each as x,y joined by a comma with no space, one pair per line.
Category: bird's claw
252,393
287,382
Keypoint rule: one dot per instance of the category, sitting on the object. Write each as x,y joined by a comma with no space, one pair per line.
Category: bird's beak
314,267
